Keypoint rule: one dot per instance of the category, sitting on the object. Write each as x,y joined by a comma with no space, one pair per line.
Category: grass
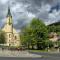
38,50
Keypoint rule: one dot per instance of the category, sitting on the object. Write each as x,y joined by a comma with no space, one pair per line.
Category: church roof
7,29
9,13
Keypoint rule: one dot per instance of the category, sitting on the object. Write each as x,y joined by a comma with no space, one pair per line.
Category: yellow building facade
12,36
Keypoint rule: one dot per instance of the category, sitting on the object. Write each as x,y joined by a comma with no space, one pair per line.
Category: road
46,56
16,58
21,54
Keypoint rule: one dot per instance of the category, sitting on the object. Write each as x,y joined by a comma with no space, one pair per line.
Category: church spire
9,13
9,17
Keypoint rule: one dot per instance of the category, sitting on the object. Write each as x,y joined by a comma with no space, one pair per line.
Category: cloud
24,10
3,1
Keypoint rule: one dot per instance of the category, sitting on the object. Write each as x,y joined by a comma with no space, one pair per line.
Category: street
17,58
46,56
28,55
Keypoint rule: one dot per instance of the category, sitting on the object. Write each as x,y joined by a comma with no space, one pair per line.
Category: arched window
9,35
15,37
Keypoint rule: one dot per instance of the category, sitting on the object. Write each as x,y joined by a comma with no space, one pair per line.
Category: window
9,35
15,37
9,40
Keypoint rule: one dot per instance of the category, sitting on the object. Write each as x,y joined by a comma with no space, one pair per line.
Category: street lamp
48,46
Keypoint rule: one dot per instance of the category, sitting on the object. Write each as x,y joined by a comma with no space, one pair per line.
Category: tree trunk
38,47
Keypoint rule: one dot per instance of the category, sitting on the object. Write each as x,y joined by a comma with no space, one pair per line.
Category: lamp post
48,47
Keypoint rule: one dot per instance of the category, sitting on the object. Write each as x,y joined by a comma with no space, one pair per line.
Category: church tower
12,37
9,21
9,24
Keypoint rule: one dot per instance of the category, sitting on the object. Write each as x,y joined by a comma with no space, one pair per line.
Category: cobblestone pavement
8,53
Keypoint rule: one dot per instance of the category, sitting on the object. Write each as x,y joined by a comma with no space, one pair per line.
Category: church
11,35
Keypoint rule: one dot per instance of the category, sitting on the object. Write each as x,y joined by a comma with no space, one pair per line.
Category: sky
24,10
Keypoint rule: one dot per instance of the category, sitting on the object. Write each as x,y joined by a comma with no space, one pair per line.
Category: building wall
12,37
53,37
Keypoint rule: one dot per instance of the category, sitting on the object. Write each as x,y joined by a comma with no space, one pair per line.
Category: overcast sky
24,10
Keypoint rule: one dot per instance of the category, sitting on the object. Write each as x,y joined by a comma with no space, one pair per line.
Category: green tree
52,28
35,33
40,32
2,37
26,36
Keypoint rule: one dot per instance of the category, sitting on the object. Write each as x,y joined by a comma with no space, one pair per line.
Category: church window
15,37
9,40
9,35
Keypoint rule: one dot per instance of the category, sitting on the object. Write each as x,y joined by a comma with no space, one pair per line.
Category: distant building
12,37
53,37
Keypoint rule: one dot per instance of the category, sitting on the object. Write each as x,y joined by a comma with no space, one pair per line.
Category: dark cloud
33,6
24,10
57,7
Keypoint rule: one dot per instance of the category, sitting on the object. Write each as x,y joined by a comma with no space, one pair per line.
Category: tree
40,32
35,33
52,28
26,36
2,37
